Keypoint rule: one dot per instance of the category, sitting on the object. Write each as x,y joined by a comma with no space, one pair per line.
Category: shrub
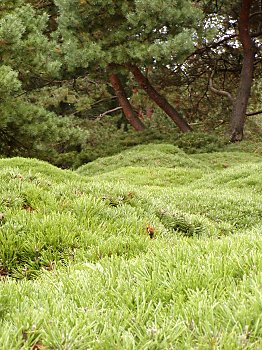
199,142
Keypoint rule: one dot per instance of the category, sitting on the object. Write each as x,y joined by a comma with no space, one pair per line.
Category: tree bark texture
145,84
128,110
240,106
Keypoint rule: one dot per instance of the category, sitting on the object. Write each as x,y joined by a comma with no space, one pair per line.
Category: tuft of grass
181,294
148,249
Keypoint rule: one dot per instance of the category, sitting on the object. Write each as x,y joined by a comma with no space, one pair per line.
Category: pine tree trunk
240,106
159,100
128,110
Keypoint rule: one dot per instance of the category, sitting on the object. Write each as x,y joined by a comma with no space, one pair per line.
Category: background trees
65,65
27,62
246,76
130,35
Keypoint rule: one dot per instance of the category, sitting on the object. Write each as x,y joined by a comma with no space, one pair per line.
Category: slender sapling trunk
123,101
145,84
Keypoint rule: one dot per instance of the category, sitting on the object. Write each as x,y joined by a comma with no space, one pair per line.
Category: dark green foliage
200,142
28,61
111,143
127,31
54,88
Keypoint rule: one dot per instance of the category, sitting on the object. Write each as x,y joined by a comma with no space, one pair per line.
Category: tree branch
100,116
215,44
34,89
255,14
254,113
219,92
103,100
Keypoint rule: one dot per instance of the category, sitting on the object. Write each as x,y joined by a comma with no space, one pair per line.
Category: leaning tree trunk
158,99
128,110
243,93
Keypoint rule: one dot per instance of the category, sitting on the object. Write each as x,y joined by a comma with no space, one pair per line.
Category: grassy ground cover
149,249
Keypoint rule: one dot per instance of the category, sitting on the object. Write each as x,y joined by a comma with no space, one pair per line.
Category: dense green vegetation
152,248
152,239
75,72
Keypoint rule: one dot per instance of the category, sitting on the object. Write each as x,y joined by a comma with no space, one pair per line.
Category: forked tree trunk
159,100
128,110
246,76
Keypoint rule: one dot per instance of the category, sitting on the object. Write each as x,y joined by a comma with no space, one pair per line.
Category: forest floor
151,248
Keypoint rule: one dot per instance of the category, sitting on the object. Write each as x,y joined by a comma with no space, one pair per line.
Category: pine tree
236,45
99,35
28,56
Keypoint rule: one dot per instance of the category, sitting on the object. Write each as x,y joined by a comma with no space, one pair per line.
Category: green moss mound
49,217
148,249
153,155
169,156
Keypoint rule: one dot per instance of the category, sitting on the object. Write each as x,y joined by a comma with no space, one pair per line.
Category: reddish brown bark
159,100
128,110
240,106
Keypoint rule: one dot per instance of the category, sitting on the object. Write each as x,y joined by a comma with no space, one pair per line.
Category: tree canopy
98,33
64,62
